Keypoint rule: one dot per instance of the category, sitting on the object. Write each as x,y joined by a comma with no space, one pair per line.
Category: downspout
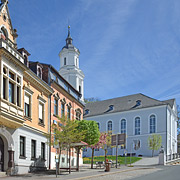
50,131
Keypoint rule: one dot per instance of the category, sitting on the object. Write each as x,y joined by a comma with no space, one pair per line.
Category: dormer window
39,73
86,111
111,107
25,60
80,89
138,102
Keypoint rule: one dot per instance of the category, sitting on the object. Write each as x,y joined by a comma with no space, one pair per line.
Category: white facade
69,66
165,125
27,164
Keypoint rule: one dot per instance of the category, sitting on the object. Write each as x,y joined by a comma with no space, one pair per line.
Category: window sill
22,157
55,115
28,118
41,124
33,159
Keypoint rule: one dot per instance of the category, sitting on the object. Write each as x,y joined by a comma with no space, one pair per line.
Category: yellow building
24,100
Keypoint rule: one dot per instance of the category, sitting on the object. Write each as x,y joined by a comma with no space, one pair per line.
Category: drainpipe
50,133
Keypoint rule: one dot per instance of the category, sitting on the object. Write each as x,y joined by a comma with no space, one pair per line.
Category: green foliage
90,100
91,130
66,132
154,142
87,160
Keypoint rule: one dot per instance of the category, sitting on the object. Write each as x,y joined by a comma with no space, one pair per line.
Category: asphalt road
167,173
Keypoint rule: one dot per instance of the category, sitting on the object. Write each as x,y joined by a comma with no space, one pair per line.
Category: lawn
122,160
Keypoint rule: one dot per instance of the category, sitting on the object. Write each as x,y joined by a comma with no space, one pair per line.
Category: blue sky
127,46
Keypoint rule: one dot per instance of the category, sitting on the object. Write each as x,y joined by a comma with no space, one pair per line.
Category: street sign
118,139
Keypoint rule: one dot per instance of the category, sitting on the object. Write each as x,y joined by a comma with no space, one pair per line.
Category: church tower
69,65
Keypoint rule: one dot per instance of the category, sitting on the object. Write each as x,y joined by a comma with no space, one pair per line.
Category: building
65,101
69,65
138,116
23,106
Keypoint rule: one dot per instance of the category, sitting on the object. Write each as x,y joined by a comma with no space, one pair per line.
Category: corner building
23,106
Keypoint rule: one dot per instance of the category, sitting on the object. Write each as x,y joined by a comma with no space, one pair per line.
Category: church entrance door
1,155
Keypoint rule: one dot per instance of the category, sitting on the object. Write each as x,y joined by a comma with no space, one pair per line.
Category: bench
100,164
113,163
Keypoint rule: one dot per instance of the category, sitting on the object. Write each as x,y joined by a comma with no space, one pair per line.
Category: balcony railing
11,48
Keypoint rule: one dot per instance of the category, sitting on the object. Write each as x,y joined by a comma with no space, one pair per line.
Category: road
167,173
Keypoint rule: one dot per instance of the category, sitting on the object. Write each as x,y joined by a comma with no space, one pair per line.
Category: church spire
69,38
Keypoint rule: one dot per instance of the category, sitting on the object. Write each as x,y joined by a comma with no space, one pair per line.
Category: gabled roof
125,103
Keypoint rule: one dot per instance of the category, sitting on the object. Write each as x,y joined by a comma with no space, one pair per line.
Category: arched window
123,126
137,125
109,125
64,61
4,31
152,124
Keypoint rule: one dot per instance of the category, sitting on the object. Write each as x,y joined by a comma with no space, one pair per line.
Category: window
97,149
62,109
152,124
4,88
41,114
55,106
86,111
123,126
64,61
39,73
80,89
27,105
63,159
78,116
22,146
69,112
11,86
137,126
85,149
11,92
43,151
33,149
25,60
109,125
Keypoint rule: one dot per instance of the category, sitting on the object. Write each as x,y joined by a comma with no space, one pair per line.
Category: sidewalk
84,173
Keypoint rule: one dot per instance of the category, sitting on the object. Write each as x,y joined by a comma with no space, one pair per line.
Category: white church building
139,116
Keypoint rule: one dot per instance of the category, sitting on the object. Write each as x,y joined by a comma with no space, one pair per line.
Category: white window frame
16,84
121,125
155,122
42,101
138,127
28,92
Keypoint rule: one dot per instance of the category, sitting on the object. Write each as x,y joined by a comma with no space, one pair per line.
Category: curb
93,176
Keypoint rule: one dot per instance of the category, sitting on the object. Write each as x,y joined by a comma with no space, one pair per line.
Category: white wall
144,114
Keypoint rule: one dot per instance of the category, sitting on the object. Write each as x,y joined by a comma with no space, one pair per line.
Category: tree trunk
92,158
105,155
69,160
153,153
59,161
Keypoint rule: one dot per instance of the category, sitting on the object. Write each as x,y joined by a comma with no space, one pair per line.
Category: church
138,116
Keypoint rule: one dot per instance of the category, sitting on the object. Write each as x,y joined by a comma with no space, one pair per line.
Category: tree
91,136
154,142
64,134
91,99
